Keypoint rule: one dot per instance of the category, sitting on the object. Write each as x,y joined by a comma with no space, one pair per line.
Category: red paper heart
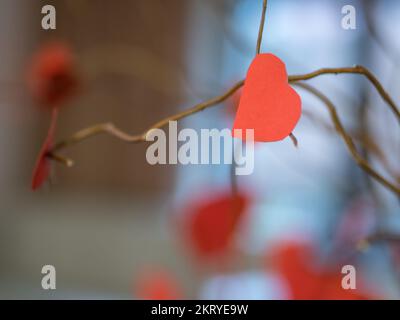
268,104
42,167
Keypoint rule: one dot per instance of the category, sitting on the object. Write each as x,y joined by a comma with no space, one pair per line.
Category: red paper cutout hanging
268,104
42,167
51,81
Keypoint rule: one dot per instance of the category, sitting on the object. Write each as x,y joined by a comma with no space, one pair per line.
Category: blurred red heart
52,77
212,223
268,104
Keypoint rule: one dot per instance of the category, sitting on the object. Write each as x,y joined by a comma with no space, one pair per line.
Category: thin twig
66,161
197,108
261,28
383,236
112,130
86,133
352,70
294,139
365,140
378,237
362,163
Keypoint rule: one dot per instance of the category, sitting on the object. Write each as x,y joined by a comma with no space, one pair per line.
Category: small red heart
268,104
42,166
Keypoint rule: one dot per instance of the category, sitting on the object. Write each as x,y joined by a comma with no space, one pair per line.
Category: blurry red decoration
212,223
42,167
268,104
51,80
51,75
157,285
306,281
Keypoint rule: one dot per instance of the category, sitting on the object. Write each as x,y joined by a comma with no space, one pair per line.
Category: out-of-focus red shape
157,285
296,263
212,223
51,74
42,166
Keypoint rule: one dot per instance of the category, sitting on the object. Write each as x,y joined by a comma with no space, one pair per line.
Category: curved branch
362,163
380,236
352,70
111,129
365,140
261,28
197,108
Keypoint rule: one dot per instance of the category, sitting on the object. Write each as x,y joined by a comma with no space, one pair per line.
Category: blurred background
115,227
